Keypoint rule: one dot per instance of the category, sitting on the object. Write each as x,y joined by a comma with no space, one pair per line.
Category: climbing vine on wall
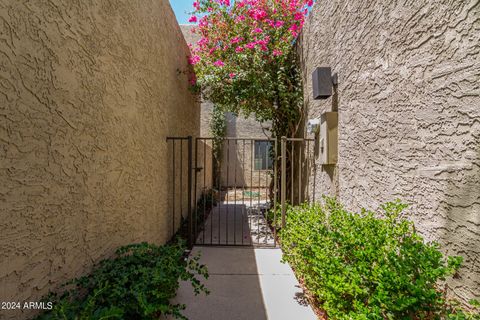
218,129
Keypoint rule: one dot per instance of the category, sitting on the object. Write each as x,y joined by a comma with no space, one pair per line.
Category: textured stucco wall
206,106
89,90
409,113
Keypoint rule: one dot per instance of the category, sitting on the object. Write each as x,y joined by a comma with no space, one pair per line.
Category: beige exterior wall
409,114
206,106
241,172
89,90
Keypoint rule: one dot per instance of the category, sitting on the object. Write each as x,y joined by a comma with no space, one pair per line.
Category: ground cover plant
368,265
138,283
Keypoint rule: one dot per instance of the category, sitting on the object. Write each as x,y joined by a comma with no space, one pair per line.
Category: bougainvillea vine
245,60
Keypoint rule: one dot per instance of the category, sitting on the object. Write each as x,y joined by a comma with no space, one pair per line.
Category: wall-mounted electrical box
322,83
328,138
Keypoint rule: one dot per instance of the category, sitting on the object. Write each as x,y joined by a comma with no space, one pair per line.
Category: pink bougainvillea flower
231,75
202,42
203,22
264,41
228,29
257,14
236,40
192,19
298,16
194,60
277,52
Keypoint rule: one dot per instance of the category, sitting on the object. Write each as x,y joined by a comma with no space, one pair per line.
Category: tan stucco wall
241,152
206,106
89,90
409,113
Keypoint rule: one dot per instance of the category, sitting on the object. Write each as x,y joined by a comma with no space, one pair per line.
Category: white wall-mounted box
328,138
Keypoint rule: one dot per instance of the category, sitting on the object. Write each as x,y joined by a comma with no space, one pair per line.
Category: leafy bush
137,284
454,311
207,200
367,265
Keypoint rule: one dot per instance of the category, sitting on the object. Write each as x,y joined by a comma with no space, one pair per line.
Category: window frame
265,156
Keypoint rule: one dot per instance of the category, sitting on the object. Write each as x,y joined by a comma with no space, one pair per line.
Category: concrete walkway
236,224
245,284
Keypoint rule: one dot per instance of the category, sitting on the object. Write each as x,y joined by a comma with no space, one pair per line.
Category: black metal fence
228,189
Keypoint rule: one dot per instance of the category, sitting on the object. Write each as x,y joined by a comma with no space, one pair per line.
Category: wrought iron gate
234,191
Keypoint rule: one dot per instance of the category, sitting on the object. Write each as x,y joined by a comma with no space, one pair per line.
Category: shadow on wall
177,181
460,234
203,162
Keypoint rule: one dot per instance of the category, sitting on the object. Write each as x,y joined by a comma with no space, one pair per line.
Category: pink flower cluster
265,27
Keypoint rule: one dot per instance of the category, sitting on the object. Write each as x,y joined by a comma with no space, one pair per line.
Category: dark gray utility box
322,83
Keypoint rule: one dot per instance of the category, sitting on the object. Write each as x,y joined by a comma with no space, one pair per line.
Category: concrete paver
246,283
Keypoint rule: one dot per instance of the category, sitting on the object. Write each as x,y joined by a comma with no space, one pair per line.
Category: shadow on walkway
245,284
236,224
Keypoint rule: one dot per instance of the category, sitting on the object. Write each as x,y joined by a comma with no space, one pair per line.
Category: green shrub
207,200
137,284
368,265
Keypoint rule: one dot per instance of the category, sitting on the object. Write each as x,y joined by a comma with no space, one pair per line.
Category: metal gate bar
301,166
174,141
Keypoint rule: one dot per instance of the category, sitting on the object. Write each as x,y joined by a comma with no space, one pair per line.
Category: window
263,158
